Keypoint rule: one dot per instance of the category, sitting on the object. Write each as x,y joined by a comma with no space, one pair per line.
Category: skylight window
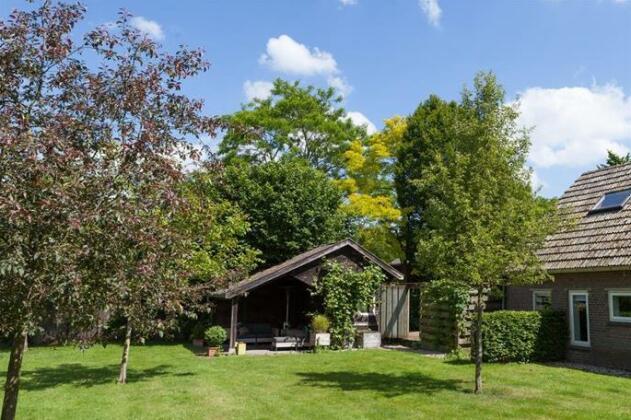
612,201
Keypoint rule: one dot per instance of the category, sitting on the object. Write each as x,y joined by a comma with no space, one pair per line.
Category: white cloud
340,85
285,55
360,120
150,28
432,11
348,2
575,126
260,89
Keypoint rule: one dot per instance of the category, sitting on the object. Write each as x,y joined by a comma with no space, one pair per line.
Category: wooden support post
233,324
287,307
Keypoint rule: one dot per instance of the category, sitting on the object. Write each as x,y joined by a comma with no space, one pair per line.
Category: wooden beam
233,323
287,294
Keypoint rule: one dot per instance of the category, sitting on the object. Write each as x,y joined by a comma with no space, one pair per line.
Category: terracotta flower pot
213,351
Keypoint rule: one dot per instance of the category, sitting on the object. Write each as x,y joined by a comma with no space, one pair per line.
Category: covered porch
280,308
273,307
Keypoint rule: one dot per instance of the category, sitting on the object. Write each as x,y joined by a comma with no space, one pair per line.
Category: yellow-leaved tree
368,185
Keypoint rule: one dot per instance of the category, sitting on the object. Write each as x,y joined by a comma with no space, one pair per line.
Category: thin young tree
88,174
482,222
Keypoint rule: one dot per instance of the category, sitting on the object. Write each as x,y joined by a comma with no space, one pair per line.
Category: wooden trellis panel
394,311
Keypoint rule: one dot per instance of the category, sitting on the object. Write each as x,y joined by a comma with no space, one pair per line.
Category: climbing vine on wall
344,290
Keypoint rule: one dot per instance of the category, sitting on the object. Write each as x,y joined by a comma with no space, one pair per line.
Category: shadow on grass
389,385
79,375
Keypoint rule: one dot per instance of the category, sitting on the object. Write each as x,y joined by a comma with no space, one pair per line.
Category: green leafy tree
428,133
481,221
291,207
343,291
217,228
614,159
381,239
295,121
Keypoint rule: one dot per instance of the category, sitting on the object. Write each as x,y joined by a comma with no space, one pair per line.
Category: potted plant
215,336
320,331
197,334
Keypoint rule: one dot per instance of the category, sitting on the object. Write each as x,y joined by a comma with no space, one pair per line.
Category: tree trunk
122,376
478,341
12,385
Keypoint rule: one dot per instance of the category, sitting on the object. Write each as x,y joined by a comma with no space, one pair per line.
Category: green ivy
344,290
524,336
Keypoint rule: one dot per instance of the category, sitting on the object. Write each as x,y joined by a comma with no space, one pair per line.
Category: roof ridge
306,257
606,168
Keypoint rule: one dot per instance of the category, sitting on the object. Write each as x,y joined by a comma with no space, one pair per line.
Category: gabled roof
299,261
593,241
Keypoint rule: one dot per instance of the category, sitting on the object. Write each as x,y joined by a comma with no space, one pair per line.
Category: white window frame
612,317
574,342
536,292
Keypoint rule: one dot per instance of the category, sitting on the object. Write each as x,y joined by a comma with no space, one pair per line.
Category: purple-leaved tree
92,133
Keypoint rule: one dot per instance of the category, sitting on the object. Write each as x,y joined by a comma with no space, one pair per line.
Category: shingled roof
593,241
299,261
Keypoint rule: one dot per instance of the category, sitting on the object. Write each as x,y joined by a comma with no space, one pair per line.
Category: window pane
621,306
542,301
613,200
579,322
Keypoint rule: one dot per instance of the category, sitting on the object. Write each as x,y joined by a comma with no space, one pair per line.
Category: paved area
593,369
399,347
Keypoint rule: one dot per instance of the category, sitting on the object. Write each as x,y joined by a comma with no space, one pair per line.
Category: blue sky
568,61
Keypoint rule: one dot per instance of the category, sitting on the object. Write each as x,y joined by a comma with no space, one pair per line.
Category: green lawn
169,381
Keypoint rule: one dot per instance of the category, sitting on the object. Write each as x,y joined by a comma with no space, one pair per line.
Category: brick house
590,261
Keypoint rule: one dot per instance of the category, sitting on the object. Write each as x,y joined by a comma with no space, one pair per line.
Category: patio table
287,343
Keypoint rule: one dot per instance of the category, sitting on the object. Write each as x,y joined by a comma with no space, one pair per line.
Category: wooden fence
444,330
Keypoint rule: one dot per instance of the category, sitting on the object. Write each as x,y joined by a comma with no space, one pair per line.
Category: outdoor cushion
260,329
255,333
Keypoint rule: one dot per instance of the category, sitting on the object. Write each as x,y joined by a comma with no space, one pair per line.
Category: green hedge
524,336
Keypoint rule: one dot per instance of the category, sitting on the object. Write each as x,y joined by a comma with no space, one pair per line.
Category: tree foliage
368,173
290,206
216,227
295,122
480,221
368,186
89,167
429,130
344,290
614,159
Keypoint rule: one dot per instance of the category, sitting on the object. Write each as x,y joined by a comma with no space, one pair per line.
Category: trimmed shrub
320,323
524,336
215,336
